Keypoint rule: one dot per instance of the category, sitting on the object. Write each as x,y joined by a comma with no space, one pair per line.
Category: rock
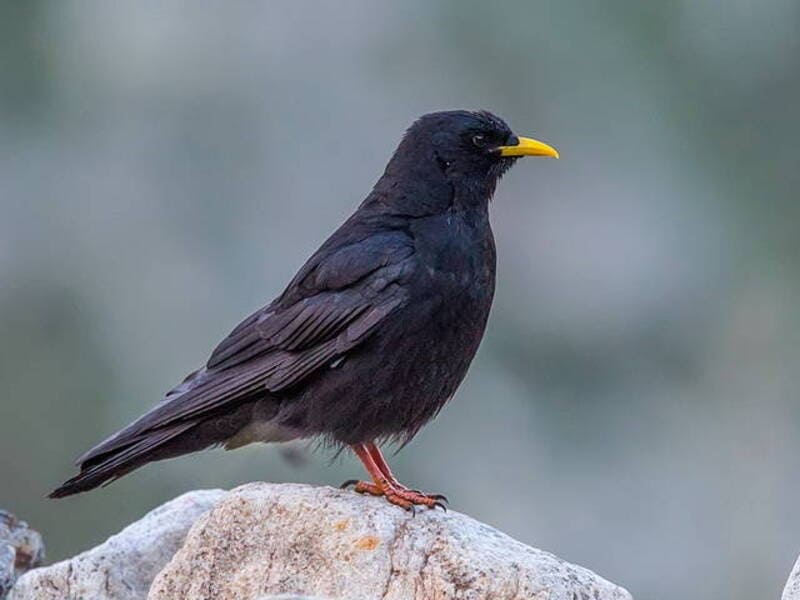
289,597
123,567
792,589
21,548
267,539
7,575
295,542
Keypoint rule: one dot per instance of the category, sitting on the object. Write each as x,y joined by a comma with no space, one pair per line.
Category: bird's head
475,148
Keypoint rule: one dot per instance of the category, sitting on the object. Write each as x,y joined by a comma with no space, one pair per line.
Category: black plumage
372,336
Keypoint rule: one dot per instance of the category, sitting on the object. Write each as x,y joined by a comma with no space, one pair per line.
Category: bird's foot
399,495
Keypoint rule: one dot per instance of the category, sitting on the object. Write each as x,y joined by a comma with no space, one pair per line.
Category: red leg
385,484
381,463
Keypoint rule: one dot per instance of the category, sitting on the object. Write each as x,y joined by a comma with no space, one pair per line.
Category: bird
372,336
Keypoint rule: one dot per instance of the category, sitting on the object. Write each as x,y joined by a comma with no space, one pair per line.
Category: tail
104,468
204,411
135,446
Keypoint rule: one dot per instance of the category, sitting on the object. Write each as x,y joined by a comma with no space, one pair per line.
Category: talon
348,483
385,484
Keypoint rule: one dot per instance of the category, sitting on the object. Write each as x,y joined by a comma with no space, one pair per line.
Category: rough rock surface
267,539
21,548
123,567
792,589
295,542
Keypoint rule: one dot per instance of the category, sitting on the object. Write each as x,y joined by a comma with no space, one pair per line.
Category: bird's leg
380,461
385,484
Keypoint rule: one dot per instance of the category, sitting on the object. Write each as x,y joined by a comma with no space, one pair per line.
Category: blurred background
166,167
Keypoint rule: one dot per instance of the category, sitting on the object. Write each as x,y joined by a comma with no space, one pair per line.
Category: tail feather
137,445
145,424
105,468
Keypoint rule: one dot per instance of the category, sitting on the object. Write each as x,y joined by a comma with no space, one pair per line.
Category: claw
385,484
398,494
348,483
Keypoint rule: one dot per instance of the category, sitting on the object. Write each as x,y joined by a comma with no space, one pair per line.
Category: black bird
372,336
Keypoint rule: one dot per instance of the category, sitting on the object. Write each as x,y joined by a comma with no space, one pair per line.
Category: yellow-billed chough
372,336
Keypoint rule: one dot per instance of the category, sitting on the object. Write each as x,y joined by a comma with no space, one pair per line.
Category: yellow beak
528,147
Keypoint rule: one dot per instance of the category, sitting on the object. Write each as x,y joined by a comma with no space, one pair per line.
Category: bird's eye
479,140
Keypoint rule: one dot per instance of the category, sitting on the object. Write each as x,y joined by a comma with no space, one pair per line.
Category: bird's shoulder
355,251
348,285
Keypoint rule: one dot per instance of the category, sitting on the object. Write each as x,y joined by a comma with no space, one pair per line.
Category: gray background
165,167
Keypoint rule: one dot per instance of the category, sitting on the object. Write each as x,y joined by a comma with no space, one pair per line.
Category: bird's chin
501,166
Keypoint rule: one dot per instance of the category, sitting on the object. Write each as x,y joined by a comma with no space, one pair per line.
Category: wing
337,300
330,293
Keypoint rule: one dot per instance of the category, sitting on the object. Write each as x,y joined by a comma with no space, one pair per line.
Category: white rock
124,566
792,589
292,539
7,575
294,542
21,549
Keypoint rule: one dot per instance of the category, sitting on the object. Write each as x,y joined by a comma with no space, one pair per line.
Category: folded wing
337,300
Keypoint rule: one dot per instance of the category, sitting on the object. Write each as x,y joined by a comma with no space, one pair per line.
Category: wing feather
337,300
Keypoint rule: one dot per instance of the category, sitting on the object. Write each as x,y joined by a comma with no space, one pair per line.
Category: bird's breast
456,251
455,274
